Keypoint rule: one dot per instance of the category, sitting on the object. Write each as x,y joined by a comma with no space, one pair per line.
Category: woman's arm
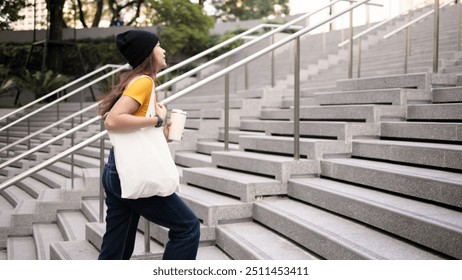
120,117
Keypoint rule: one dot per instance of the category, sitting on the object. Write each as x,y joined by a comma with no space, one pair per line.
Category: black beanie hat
136,45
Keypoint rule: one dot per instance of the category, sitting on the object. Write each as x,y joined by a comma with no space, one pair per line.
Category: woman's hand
161,110
167,130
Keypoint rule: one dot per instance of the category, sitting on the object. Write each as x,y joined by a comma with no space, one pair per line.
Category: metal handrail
296,36
242,35
247,44
412,22
181,93
30,136
49,142
63,97
57,90
407,26
237,37
126,66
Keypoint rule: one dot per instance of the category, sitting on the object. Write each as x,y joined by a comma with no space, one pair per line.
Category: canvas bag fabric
143,160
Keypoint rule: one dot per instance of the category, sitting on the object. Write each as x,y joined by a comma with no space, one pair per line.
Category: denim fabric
122,218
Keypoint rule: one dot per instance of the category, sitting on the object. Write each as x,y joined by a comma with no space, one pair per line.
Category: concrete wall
105,32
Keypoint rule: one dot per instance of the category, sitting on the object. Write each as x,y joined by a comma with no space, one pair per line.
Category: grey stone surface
212,208
422,130
250,241
444,95
192,159
332,236
312,148
243,186
278,166
437,112
419,81
432,226
367,113
439,155
44,235
374,96
432,185
209,146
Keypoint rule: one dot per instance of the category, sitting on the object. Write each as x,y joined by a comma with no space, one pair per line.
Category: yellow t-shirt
140,90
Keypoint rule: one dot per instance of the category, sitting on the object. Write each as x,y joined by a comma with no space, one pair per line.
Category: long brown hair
147,67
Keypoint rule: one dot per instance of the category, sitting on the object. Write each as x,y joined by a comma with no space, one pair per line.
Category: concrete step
252,241
447,95
14,195
252,124
44,236
72,224
311,148
419,153
278,167
332,236
435,112
73,250
419,222
431,131
52,179
95,232
244,186
235,134
426,184
351,113
21,248
418,80
212,208
209,146
161,234
211,253
32,186
373,96
192,159
321,129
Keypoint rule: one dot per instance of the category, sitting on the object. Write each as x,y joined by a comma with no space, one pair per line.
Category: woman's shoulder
141,82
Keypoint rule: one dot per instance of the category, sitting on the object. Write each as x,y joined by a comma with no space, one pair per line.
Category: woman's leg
121,220
171,212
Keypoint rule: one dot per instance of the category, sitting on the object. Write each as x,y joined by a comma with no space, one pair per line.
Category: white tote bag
143,160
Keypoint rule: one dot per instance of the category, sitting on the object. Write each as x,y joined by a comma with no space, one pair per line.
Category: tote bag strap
151,111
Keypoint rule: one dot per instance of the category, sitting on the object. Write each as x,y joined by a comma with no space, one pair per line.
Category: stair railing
225,72
103,68
407,29
225,56
160,74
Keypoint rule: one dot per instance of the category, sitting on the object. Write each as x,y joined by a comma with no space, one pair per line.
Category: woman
125,108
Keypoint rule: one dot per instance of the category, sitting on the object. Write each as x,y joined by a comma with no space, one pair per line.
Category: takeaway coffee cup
178,119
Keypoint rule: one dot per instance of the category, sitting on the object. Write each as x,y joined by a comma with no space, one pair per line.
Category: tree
54,52
9,12
249,9
186,27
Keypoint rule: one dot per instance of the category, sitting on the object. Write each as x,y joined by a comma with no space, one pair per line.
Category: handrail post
407,40
359,57
297,100
72,156
436,35
246,78
101,168
458,24
227,109
350,50
147,236
28,133
273,75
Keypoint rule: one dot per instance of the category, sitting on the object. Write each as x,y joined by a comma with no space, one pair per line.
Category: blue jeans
122,218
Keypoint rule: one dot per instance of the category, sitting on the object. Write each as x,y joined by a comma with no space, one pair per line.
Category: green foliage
40,83
9,12
186,27
249,9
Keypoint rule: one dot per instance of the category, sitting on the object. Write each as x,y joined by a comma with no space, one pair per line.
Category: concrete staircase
379,174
